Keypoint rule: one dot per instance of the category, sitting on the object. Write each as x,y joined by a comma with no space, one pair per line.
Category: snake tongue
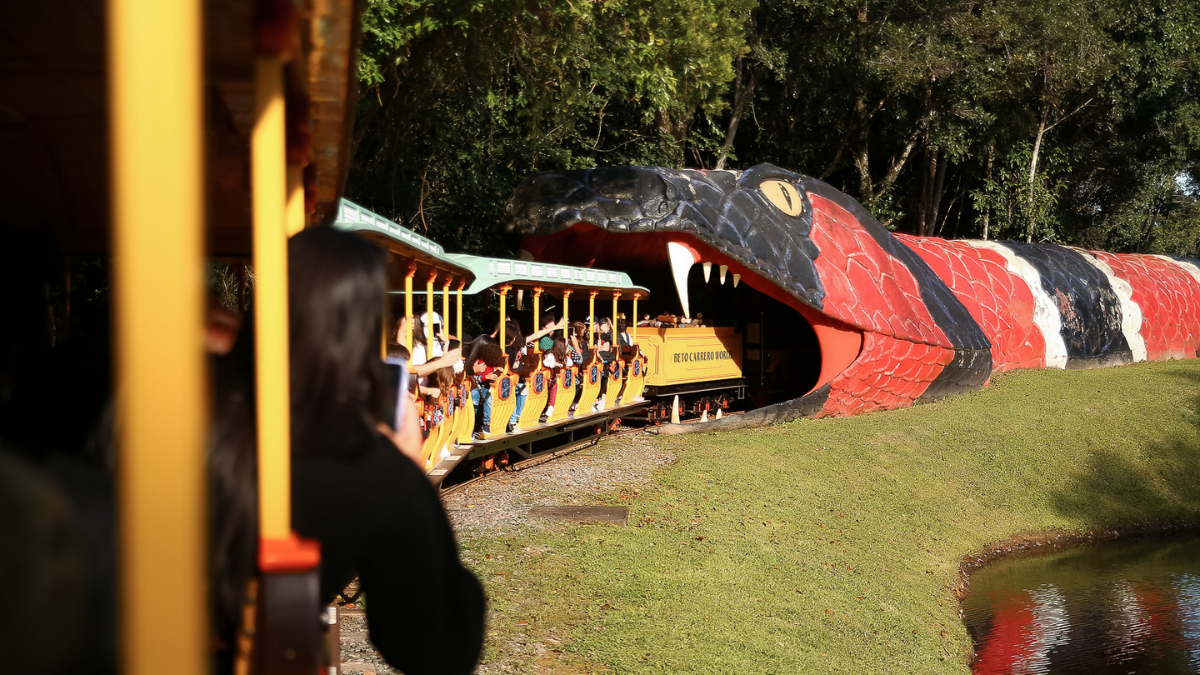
682,258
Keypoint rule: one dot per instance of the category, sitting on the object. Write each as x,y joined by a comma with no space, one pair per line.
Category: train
668,372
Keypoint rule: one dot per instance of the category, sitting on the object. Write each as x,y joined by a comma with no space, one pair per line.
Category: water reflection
1117,607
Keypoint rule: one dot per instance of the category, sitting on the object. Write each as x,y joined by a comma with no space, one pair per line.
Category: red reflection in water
1009,644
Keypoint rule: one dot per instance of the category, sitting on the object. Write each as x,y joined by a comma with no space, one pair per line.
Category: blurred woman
426,611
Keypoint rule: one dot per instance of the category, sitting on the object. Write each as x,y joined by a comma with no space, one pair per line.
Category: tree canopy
1074,121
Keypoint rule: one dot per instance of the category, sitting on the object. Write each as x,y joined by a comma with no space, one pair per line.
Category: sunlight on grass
833,545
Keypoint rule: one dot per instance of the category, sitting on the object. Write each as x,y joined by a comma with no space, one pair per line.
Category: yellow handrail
156,125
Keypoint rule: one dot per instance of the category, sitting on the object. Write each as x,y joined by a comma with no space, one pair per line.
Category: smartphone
395,388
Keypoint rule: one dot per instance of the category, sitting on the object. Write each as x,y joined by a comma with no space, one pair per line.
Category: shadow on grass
1159,486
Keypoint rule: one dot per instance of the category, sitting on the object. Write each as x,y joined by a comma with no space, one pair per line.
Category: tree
461,101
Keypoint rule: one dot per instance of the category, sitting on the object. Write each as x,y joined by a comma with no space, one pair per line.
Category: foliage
461,101
1087,109
822,545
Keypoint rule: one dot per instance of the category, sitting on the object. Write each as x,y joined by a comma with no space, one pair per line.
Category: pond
1129,606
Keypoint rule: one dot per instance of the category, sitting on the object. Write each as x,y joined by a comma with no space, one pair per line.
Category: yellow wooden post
537,313
458,317
566,314
634,324
429,314
503,296
269,199
446,305
156,127
613,323
592,317
408,308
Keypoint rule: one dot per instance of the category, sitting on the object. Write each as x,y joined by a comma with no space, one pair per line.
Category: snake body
932,317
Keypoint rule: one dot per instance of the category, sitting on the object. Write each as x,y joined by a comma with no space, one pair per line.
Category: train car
606,390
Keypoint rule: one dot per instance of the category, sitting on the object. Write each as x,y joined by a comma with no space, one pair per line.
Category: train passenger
519,346
576,349
391,529
515,349
545,335
486,359
623,338
604,339
578,340
514,341
555,359
604,349
451,357
397,351
421,354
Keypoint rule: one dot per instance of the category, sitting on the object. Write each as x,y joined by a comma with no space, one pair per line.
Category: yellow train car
691,370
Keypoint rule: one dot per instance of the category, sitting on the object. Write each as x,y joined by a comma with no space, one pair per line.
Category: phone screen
395,386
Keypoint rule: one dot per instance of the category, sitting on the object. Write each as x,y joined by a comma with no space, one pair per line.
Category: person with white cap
422,352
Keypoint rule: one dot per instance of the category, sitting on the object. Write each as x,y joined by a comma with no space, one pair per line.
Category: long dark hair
336,283
512,334
559,350
485,349
580,330
233,490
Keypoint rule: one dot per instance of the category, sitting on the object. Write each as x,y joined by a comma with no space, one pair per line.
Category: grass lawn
833,545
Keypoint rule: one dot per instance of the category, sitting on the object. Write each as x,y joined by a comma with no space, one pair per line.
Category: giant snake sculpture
899,319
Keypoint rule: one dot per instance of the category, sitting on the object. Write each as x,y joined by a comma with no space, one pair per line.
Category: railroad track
538,460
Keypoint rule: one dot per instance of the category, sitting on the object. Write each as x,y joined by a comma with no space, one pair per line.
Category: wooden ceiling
53,115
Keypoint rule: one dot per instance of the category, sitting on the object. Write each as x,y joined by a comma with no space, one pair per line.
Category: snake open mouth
848,318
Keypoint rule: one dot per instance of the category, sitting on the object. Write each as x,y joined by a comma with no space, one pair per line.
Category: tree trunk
987,211
936,196
741,100
925,196
865,187
1148,231
1037,148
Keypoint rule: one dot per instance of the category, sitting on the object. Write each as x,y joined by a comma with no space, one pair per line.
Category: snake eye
783,196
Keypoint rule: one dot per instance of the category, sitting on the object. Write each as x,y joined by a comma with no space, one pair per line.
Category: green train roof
355,218
492,272
399,239
484,272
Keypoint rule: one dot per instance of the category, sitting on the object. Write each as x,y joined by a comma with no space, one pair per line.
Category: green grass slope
832,546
